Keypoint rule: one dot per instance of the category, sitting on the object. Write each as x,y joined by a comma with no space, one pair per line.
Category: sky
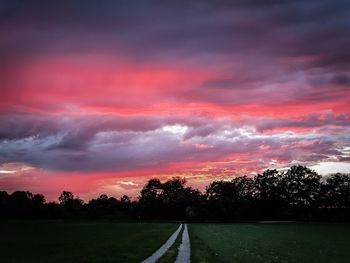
99,97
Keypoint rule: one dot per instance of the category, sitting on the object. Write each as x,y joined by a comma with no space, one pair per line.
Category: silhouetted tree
72,205
269,194
20,203
301,190
301,186
37,205
102,206
338,191
231,199
66,197
125,203
150,200
4,204
53,210
180,202
296,193
171,199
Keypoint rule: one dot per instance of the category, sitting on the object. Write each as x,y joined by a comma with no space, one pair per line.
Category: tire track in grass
185,248
171,254
164,248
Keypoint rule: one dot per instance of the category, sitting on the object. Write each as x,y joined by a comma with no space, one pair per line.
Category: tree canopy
298,193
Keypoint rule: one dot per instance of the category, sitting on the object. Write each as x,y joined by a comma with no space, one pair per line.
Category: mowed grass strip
282,243
171,254
80,241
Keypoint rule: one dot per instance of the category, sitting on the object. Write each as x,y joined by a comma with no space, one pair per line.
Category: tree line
298,193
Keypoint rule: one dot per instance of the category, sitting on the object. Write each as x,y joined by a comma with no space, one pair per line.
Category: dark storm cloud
19,126
286,28
16,127
339,79
256,42
311,121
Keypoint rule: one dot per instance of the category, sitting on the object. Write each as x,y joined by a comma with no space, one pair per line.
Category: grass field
282,243
80,241
108,241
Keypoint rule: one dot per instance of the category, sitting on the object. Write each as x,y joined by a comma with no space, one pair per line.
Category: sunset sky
100,96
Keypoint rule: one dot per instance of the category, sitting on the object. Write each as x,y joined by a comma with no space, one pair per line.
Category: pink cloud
123,94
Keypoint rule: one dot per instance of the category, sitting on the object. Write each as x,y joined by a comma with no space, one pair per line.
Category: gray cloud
114,143
313,120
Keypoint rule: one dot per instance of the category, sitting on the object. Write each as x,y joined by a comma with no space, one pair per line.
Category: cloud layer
200,89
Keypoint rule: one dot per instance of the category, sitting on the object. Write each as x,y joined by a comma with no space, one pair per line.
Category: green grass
80,241
264,243
200,251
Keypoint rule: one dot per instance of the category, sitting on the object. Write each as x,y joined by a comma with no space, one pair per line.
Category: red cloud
104,102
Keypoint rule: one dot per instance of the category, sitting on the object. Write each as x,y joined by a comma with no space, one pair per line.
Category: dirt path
185,248
161,251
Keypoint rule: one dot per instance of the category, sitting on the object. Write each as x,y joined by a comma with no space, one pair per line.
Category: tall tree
338,191
269,192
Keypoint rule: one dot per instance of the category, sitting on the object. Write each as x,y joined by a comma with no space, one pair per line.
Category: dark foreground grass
80,241
265,243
